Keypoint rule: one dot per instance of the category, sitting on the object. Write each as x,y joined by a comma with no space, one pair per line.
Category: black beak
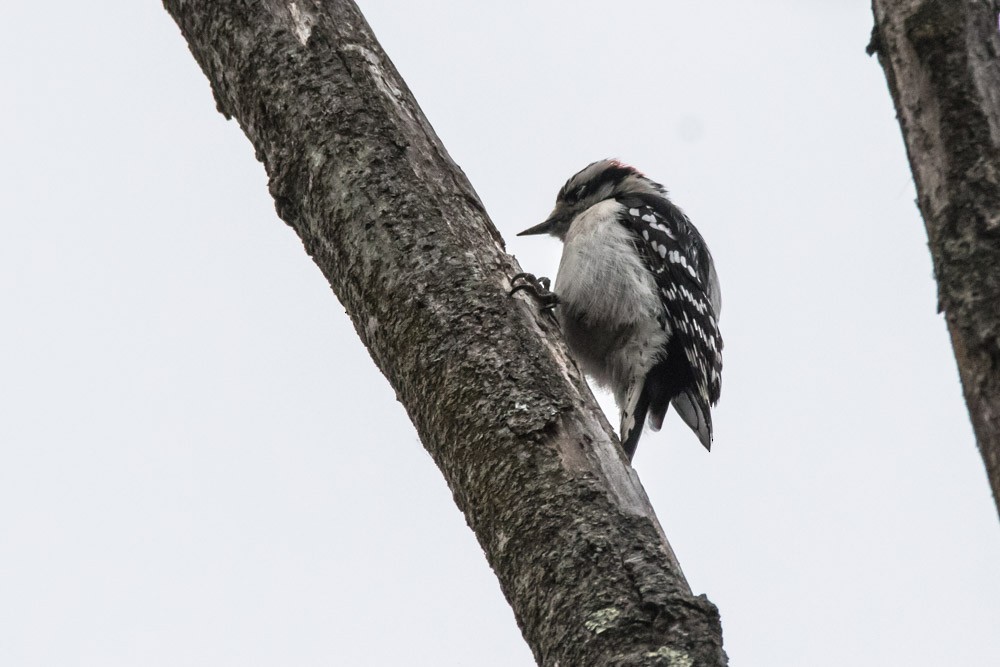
543,228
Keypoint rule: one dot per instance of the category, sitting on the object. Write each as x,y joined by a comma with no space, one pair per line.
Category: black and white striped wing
682,267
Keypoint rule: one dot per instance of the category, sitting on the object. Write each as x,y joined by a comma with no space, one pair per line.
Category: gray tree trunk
356,170
942,61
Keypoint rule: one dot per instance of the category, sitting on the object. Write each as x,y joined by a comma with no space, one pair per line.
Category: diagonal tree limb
942,62
356,170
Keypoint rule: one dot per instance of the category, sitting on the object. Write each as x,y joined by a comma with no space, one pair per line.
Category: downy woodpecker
638,298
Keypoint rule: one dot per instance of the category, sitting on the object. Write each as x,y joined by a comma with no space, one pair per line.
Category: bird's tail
694,410
633,416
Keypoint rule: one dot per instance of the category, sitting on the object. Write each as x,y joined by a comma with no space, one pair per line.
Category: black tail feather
630,440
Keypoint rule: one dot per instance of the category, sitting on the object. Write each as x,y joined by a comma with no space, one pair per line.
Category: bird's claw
540,288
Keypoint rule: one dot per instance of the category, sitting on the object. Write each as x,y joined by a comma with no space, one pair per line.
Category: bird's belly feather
610,309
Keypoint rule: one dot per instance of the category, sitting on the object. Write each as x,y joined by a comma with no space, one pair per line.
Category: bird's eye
579,192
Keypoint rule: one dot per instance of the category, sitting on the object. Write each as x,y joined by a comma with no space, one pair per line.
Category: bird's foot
540,288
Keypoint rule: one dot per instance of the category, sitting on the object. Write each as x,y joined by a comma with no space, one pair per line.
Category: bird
637,298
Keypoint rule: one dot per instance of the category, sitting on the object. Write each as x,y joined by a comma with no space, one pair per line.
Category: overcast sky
200,464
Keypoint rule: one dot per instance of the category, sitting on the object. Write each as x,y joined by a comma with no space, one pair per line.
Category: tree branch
942,62
356,170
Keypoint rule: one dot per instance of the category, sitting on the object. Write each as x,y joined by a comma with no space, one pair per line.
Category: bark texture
356,170
942,61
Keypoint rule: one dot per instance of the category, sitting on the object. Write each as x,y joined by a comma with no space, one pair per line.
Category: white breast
601,274
609,303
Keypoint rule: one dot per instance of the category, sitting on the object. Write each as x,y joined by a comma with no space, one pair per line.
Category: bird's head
598,181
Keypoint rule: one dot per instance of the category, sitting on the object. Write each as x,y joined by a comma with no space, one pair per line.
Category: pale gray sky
200,465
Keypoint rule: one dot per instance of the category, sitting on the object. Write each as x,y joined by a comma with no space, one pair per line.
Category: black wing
682,267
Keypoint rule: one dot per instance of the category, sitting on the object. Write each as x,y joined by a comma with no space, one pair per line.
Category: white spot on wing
663,228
